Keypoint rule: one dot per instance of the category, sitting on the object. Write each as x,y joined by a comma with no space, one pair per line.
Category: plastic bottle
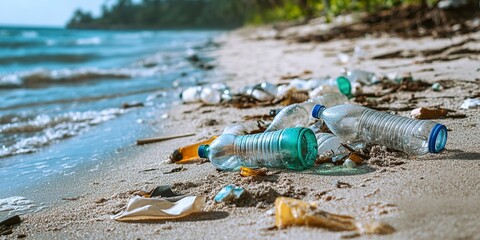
329,144
367,78
210,96
298,115
188,153
263,92
291,148
191,94
356,123
340,85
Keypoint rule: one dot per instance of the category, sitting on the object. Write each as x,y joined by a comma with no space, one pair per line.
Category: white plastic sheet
140,208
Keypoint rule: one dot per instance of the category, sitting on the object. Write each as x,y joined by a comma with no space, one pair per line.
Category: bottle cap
344,85
317,110
203,151
437,139
300,144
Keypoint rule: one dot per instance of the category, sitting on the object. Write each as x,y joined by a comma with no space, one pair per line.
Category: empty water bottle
191,94
298,115
340,85
263,92
210,96
329,144
356,123
363,77
291,148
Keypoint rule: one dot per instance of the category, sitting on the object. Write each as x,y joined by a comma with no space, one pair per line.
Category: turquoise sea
62,94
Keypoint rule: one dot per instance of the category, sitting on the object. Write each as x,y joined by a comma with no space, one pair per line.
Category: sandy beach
434,196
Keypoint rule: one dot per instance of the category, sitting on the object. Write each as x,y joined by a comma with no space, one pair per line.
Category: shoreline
432,196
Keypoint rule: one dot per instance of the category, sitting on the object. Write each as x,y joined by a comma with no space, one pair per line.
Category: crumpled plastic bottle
264,91
364,77
291,148
356,123
340,85
191,94
211,95
298,115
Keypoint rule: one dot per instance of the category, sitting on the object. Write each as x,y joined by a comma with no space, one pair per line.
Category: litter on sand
229,193
160,139
292,212
143,209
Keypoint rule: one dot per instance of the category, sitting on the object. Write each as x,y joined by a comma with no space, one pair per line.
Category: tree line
177,14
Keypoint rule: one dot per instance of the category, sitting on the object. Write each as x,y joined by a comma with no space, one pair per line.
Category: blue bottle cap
437,139
203,151
317,110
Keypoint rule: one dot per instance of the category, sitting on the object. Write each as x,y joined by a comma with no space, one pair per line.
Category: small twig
159,139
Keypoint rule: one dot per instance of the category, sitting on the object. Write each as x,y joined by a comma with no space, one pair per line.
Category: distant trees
222,13
166,14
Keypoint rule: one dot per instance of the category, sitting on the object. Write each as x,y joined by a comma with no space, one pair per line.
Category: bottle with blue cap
291,148
298,115
356,123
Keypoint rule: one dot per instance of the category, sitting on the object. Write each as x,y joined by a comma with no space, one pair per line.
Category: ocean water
62,94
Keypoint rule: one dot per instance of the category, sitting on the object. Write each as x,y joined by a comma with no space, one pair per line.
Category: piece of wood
159,139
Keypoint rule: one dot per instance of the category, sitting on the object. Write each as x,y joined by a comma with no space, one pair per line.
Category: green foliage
222,13
166,14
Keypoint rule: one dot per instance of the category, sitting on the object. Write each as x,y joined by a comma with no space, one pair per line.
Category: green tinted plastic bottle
291,148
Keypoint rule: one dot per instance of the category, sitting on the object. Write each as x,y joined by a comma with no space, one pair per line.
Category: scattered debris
340,184
229,194
293,212
132,105
208,122
247,172
6,226
164,191
71,198
356,158
142,209
349,164
148,170
470,103
426,113
160,139
174,170
100,200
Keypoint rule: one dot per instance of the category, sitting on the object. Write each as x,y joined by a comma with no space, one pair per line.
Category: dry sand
429,197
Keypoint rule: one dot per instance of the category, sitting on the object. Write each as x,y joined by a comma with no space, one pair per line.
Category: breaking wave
44,130
42,58
41,78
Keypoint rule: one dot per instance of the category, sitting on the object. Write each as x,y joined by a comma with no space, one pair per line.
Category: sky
44,12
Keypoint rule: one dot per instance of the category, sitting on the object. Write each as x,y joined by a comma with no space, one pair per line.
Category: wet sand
428,197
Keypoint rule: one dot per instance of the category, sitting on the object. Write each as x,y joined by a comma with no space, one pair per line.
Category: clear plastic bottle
191,94
210,96
356,123
367,78
291,148
329,144
298,115
263,92
340,85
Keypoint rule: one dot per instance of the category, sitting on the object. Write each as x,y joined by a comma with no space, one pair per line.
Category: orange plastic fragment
246,172
355,158
293,212
425,113
189,153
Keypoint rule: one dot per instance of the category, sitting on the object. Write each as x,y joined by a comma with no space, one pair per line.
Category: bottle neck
318,110
203,151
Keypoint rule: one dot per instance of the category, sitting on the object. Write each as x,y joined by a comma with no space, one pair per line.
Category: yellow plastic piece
247,172
190,152
293,212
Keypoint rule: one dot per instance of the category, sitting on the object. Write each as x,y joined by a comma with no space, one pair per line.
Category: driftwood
159,139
